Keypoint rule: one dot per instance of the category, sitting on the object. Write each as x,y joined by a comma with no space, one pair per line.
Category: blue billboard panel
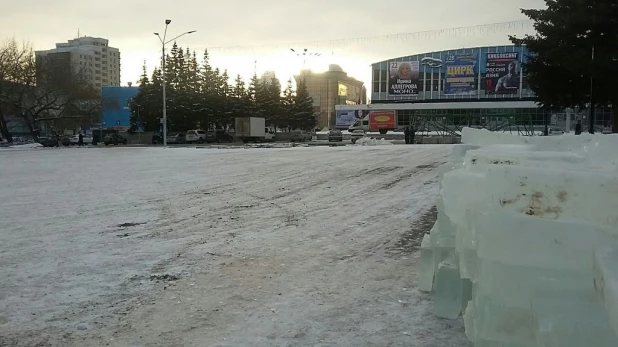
116,106
461,70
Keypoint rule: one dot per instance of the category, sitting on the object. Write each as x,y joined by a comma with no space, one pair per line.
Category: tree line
199,96
34,92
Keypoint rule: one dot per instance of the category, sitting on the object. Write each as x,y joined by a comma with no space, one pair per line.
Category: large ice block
503,325
605,271
552,193
571,318
523,240
519,218
448,289
425,278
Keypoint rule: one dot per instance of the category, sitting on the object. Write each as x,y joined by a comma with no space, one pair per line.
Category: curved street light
164,41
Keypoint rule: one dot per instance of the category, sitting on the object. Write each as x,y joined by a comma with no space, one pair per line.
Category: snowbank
369,141
519,222
24,146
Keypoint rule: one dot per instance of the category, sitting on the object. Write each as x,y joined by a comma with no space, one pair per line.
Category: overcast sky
130,24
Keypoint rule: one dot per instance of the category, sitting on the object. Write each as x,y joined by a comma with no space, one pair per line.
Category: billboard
404,78
502,73
382,120
461,69
345,118
115,106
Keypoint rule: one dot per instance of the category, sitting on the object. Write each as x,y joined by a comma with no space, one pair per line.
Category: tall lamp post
163,43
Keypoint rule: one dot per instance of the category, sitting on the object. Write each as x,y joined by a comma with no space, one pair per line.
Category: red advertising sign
382,120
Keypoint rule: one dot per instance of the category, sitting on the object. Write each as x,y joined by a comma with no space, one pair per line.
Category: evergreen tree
270,101
147,104
287,106
239,102
560,67
303,116
252,94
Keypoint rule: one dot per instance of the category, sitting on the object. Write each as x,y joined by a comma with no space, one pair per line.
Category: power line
381,39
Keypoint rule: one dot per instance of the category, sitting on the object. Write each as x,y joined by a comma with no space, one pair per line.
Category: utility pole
592,70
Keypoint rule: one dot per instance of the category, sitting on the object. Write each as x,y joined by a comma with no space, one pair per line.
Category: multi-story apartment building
89,58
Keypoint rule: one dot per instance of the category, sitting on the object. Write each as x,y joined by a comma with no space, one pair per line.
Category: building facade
267,77
330,88
483,87
90,59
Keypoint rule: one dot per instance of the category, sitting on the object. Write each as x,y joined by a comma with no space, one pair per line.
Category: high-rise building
89,58
267,77
330,88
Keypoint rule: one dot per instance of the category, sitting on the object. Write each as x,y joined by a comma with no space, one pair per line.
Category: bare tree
35,92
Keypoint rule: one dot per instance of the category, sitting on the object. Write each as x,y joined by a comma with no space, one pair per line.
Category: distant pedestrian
578,127
406,133
80,140
412,133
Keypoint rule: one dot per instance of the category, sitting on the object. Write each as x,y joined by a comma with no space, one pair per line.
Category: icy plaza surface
523,221
216,247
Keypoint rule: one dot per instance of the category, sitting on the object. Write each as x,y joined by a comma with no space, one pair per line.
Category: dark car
51,141
171,138
65,140
114,139
218,136
157,139
335,136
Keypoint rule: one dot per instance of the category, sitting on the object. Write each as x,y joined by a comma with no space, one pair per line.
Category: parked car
176,138
218,136
555,131
335,135
356,135
299,136
607,130
198,136
157,138
65,140
114,139
51,141
18,140
74,140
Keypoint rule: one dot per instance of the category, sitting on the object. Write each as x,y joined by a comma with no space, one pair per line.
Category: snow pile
370,141
520,220
276,145
24,146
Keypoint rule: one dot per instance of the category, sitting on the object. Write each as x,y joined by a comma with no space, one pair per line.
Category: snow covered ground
218,247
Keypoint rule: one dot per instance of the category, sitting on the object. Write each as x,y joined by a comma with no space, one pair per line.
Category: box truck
253,129
376,121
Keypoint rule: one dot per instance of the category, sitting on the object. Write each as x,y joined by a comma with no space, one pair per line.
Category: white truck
253,129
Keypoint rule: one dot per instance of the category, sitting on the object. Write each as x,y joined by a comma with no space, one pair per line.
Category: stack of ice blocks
526,236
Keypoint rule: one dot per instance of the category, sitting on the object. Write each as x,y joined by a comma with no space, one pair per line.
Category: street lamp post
163,43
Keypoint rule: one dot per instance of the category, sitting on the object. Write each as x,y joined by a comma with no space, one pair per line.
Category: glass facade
490,64
501,118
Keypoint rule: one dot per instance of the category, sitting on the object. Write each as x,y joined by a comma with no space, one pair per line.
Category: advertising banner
345,118
382,120
404,78
502,73
461,69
